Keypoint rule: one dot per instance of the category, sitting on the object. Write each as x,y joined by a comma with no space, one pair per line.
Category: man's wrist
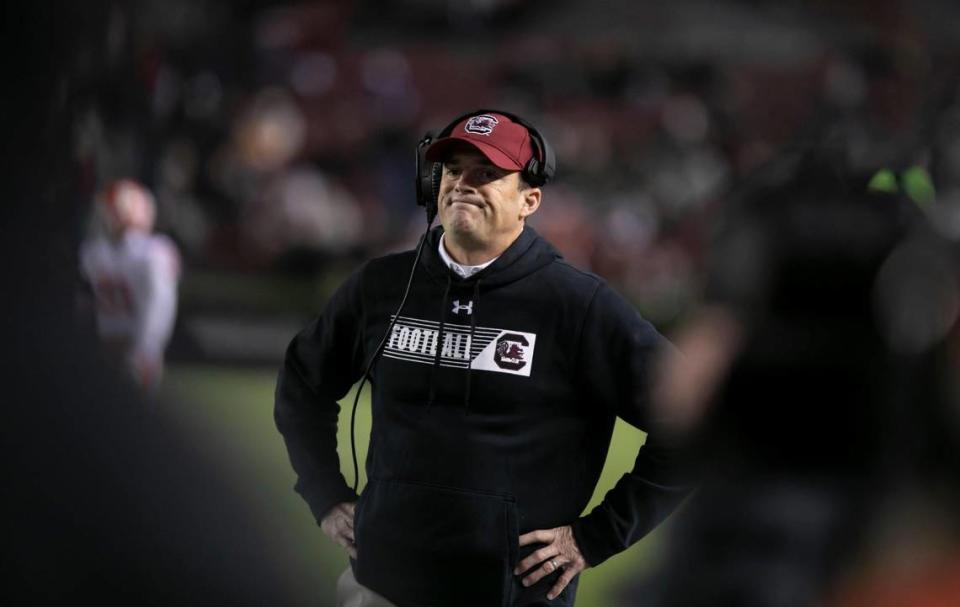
321,508
588,548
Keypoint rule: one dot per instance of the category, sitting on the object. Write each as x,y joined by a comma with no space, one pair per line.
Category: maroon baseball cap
504,142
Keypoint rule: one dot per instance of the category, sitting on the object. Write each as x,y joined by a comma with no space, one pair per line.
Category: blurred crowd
280,136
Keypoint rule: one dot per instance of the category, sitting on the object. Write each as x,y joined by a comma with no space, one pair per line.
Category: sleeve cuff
320,505
588,532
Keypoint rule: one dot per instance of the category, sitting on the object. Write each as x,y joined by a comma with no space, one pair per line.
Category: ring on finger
553,565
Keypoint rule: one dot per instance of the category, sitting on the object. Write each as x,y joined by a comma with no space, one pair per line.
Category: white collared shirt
461,270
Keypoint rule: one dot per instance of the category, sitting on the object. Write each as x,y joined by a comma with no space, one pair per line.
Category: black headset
538,171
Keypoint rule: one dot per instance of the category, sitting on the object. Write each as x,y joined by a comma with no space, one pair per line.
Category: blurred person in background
487,443
133,274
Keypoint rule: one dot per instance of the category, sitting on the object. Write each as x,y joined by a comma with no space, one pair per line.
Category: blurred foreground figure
806,384
104,502
912,554
133,273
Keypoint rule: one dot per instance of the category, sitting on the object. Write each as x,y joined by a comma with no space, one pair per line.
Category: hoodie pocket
423,545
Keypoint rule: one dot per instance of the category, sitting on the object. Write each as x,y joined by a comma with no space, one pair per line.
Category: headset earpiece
542,167
427,182
531,173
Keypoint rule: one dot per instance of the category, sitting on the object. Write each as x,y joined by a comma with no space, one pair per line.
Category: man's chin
464,232
460,225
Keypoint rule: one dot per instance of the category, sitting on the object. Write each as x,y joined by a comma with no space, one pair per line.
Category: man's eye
452,170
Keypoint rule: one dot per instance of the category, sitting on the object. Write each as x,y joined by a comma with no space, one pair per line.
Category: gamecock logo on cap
481,125
510,351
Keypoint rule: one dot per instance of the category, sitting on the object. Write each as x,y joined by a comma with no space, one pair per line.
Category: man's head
484,198
125,205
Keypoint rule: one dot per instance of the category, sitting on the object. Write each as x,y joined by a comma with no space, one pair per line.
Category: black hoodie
465,456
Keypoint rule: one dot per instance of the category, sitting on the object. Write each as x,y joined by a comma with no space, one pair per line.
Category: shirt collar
461,270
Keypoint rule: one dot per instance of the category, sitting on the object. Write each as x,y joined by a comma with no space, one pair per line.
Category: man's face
481,204
132,208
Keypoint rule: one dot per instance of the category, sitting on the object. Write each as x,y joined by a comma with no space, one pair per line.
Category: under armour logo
467,308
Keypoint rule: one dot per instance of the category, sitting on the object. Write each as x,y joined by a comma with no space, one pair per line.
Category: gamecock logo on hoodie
510,351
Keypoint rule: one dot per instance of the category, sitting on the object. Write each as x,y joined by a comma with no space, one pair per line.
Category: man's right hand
338,525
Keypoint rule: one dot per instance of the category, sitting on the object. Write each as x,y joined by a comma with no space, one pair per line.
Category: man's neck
467,255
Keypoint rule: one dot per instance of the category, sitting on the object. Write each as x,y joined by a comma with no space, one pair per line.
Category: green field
228,413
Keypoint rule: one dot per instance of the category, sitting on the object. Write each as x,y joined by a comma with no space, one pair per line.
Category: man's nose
466,179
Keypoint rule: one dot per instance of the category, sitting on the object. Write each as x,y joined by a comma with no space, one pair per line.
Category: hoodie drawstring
439,346
473,326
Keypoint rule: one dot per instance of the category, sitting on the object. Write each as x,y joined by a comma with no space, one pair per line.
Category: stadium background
278,138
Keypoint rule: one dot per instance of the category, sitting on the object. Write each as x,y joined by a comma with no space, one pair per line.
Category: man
493,402
133,274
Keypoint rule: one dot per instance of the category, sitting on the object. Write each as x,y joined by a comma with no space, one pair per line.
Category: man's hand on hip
338,525
561,552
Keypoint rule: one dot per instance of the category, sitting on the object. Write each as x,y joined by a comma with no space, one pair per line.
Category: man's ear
531,202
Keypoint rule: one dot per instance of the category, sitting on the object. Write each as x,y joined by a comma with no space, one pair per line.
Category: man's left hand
561,552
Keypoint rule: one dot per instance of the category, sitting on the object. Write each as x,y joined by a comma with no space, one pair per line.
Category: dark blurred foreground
104,500
827,416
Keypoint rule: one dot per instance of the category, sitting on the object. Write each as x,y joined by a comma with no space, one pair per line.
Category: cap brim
438,151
